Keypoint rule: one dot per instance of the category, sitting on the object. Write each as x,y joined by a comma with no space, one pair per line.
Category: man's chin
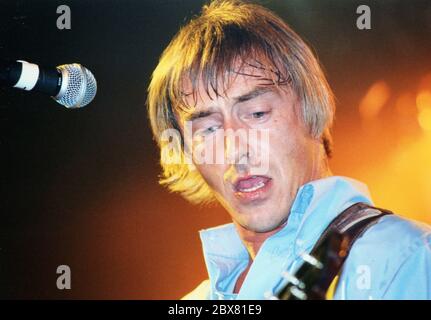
260,226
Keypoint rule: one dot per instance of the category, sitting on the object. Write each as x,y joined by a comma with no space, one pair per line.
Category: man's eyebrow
252,94
242,98
199,114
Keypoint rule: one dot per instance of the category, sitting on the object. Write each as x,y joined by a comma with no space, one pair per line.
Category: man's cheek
210,174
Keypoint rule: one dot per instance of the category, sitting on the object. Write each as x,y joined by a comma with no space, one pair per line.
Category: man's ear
326,140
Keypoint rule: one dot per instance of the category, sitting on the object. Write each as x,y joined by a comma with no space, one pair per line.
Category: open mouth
252,187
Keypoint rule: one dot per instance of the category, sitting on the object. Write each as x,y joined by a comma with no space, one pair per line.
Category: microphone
71,85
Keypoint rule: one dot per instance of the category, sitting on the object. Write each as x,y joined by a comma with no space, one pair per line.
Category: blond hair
207,48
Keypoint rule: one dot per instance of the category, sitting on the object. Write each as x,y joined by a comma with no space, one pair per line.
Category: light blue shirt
392,259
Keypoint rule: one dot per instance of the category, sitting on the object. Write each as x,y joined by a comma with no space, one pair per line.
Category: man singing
253,113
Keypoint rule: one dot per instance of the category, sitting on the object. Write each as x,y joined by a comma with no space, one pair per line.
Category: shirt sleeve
412,281
392,261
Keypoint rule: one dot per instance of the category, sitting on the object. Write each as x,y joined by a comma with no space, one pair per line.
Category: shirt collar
316,204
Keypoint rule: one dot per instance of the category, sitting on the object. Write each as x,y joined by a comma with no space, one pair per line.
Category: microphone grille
78,87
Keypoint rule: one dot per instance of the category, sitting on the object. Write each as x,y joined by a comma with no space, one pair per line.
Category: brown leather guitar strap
353,222
327,257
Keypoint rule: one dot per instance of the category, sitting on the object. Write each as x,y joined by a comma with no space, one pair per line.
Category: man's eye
259,114
209,130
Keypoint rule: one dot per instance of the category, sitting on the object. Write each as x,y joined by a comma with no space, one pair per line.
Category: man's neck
253,240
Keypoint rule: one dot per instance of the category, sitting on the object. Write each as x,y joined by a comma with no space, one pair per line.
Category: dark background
79,187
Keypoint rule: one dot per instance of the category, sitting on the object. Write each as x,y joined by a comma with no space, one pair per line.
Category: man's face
259,202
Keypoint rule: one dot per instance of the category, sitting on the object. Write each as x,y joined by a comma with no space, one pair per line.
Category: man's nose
236,145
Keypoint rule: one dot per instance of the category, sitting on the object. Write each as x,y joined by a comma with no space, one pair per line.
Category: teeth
258,186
